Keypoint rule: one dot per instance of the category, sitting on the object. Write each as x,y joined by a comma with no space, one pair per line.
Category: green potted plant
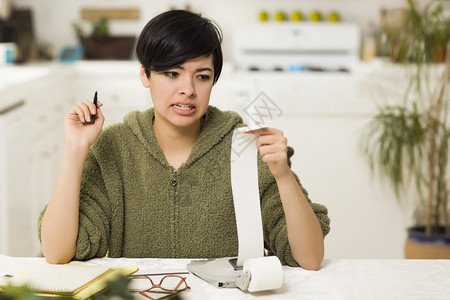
424,35
407,143
101,45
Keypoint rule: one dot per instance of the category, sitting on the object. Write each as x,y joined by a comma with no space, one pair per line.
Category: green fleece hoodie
134,204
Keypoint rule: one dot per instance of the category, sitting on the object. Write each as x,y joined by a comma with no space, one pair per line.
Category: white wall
53,18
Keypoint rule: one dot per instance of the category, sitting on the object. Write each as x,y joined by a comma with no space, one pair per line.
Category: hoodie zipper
174,183
174,177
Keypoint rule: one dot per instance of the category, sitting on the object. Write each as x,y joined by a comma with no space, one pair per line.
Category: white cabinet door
31,141
15,220
46,116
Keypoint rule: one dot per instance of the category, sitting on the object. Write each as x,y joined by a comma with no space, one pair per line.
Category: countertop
16,79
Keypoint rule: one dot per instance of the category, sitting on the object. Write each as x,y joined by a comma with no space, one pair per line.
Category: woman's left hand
272,145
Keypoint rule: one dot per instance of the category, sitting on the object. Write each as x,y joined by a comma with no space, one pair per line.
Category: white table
337,279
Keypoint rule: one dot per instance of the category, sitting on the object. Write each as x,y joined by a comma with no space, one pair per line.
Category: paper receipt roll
266,273
244,183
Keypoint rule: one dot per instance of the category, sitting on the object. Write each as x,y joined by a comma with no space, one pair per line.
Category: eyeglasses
169,284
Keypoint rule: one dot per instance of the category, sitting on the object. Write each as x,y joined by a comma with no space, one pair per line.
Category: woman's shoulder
133,121
218,116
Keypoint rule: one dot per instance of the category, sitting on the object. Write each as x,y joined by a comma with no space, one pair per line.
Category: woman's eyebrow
204,69
198,70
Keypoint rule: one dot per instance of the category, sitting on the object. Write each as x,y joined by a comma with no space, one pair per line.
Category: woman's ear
144,79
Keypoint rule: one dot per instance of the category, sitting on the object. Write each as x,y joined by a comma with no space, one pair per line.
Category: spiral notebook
79,280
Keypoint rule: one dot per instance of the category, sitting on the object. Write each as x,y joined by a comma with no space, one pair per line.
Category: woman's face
181,95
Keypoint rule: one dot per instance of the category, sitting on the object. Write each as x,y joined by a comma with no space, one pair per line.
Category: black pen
95,103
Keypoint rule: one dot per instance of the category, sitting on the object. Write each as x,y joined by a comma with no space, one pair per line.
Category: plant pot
423,246
113,48
439,54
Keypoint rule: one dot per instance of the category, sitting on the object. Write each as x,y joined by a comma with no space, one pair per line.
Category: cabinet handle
12,107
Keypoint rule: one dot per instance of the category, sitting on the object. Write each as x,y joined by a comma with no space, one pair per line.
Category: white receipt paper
244,183
266,273
250,128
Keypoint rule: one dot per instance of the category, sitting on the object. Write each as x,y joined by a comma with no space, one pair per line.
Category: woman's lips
183,106
183,109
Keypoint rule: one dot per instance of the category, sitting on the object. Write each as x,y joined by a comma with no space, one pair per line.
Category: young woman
158,184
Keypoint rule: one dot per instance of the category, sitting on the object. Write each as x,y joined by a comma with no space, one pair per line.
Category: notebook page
52,278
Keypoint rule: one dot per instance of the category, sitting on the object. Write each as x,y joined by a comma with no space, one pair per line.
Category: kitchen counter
16,79
13,75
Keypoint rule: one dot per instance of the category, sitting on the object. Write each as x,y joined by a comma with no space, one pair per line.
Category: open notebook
76,280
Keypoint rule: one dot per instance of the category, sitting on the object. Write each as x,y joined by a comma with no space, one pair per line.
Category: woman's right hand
78,128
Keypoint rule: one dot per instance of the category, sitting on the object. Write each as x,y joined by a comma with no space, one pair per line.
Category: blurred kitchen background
319,67
52,20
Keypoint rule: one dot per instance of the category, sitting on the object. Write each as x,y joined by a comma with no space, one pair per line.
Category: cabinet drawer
121,93
46,113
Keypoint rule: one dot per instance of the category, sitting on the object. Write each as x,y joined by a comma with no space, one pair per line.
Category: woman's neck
176,142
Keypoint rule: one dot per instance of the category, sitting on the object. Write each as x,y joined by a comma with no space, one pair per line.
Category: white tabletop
337,279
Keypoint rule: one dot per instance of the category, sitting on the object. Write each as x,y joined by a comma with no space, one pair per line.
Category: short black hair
173,37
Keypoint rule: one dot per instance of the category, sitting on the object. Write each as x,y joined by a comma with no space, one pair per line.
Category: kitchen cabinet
46,144
13,178
31,148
